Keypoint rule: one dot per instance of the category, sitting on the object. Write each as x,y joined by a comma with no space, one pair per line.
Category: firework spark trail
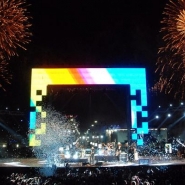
14,26
60,132
5,76
171,60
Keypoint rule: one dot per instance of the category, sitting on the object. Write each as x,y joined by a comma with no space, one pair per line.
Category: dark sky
70,32
67,33
106,104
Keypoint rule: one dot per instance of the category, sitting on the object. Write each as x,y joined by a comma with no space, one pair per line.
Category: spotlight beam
13,133
162,123
173,124
152,120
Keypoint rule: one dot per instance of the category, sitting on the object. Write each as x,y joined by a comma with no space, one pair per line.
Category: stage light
67,155
101,136
159,106
75,156
182,103
157,117
99,145
61,149
4,146
100,152
170,105
169,115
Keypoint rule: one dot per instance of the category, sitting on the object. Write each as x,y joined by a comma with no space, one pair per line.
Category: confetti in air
61,132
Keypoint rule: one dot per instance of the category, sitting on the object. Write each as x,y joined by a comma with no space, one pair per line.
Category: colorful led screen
134,77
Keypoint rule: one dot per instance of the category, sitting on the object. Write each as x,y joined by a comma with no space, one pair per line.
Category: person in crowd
132,151
92,155
118,151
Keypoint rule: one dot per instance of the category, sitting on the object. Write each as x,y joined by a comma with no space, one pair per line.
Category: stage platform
36,163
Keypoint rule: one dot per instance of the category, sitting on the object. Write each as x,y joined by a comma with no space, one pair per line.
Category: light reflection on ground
33,162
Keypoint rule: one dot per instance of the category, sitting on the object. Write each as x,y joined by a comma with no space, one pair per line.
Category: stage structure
134,77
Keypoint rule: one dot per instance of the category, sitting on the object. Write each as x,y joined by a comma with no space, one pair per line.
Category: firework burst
14,26
171,60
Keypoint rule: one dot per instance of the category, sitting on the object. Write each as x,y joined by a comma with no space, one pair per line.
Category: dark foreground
141,172
139,175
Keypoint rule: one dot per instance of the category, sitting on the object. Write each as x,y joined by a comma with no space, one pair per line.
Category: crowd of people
139,175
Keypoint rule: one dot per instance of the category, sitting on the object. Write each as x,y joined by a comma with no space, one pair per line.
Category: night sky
124,32
72,33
